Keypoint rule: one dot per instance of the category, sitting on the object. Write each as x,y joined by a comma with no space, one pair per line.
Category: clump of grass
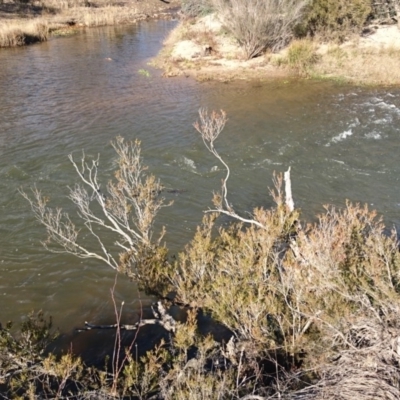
202,36
360,64
21,33
144,72
301,56
99,17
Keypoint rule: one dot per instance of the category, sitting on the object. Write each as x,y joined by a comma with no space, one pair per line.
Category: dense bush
336,19
386,10
196,8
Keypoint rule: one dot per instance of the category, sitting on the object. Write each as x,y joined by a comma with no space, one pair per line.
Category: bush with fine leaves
196,8
336,19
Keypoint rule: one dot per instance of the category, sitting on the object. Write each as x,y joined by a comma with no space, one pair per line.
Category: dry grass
96,16
300,57
360,65
200,35
367,371
18,33
68,4
24,21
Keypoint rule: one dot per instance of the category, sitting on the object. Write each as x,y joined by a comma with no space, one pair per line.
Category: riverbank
203,49
25,22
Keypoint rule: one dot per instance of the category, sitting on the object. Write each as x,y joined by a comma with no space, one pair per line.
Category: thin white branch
236,216
92,183
288,191
210,125
127,209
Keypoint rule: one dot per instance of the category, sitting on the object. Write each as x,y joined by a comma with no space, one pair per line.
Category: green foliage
144,72
141,378
34,336
301,56
336,19
148,266
386,10
275,293
293,295
235,276
27,372
196,8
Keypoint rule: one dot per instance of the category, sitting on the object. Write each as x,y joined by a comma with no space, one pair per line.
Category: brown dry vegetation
361,60
377,66
24,22
19,33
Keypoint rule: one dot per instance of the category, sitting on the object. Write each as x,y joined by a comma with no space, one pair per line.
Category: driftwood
162,318
288,191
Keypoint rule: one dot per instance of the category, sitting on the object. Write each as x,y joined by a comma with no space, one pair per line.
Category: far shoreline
202,50
25,23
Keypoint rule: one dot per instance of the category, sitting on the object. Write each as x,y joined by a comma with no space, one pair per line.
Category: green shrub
301,56
335,19
385,10
196,8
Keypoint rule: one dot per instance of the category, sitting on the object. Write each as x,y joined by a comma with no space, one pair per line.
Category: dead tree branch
127,208
210,125
162,318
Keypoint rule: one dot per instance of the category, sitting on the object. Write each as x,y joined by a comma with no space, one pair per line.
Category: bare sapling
259,25
127,208
210,125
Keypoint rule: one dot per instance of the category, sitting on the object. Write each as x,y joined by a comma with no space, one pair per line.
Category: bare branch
288,191
162,318
127,209
210,125
60,229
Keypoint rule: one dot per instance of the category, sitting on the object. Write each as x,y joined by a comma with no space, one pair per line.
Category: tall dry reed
18,33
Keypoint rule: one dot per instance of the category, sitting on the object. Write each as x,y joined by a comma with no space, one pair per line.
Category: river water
80,92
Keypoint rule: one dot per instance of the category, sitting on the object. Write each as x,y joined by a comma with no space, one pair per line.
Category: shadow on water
98,346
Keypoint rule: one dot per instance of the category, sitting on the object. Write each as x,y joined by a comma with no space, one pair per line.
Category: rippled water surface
81,92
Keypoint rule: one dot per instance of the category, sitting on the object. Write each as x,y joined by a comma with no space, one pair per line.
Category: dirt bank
205,50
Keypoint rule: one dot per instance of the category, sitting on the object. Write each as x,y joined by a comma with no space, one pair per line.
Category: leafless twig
210,125
127,208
